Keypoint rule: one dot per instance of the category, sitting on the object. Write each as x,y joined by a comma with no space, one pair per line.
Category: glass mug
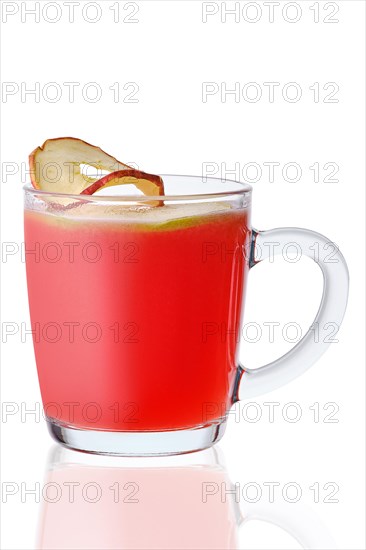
136,311
175,503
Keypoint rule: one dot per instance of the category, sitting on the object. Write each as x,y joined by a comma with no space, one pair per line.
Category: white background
169,53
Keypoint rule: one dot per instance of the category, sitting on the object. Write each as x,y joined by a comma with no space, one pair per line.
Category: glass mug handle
301,522
332,306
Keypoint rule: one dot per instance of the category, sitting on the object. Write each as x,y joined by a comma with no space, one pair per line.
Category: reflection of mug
183,502
136,312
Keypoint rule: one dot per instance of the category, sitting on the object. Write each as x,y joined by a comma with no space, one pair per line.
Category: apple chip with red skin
149,184
56,166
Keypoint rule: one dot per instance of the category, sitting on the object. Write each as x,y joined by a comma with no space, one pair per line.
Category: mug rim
246,189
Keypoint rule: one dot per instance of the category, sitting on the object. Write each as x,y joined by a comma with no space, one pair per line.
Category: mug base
172,442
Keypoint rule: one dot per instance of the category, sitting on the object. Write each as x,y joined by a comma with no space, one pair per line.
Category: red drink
136,316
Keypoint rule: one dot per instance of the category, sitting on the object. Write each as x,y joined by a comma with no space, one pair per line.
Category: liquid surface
136,314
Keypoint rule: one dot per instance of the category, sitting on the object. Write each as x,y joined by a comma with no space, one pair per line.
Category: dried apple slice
149,184
56,165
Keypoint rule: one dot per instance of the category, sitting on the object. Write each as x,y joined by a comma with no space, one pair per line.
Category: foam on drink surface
194,212
147,214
